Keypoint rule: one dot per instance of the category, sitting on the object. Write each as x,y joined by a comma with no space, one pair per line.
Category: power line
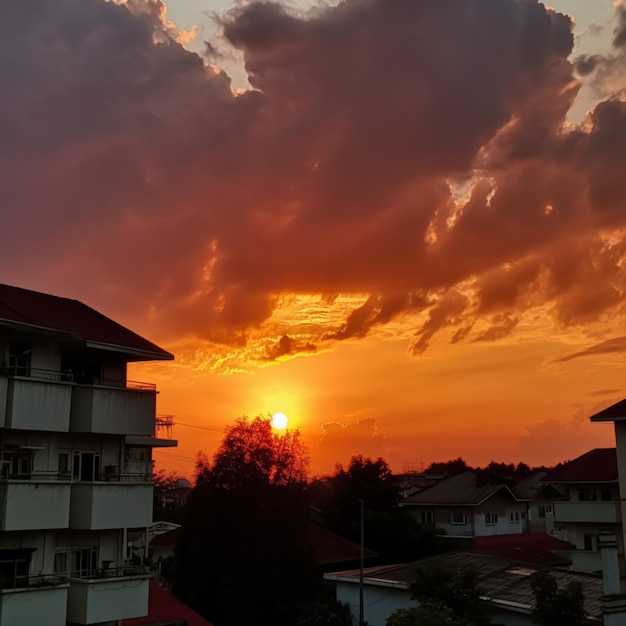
214,430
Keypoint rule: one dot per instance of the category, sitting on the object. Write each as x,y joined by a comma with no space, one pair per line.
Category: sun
279,421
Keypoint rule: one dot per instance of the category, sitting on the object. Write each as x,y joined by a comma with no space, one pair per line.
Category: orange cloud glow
396,236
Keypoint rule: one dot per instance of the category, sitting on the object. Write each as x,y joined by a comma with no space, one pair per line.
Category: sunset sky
400,222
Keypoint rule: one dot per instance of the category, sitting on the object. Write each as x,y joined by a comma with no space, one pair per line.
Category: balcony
38,502
593,512
108,596
118,408
119,502
34,601
35,400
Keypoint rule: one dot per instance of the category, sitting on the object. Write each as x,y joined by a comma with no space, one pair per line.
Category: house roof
164,607
596,466
78,321
501,581
530,548
329,547
462,489
615,412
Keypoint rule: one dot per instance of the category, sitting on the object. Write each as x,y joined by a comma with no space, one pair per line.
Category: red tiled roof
329,547
616,411
165,607
533,548
33,308
596,466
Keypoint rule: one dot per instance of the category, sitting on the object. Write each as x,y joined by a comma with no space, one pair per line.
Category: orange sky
403,232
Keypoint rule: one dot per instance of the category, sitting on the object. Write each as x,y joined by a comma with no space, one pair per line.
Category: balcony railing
33,582
41,476
37,373
111,572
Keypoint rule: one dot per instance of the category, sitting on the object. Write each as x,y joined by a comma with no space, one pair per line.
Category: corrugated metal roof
71,317
500,580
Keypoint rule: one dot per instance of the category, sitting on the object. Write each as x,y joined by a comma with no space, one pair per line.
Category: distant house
469,505
591,505
502,582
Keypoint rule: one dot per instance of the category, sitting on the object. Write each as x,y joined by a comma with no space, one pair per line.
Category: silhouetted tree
164,509
423,616
554,606
243,555
448,468
450,591
389,530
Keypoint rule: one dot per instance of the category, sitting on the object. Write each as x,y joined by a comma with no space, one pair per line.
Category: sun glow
279,421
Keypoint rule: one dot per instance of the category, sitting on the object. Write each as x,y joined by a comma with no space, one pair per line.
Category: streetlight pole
361,620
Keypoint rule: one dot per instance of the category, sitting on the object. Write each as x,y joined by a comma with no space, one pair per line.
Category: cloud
343,440
610,346
135,177
287,346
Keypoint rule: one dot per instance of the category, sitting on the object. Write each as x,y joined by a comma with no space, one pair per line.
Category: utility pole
361,620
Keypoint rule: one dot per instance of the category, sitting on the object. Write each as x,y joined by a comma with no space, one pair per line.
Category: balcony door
86,466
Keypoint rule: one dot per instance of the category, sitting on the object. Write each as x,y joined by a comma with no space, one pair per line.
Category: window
542,510
514,516
16,463
428,517
84,563
135,453
19,358
86,466
491,519
549,509
588,541
457,518
60,563
15,567
605,495
587,495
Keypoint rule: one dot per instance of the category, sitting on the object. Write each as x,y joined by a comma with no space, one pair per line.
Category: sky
402,223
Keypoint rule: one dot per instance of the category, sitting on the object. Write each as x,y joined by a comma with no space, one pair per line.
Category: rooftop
615,412
461,489
596,466
504,582
78,321
165,608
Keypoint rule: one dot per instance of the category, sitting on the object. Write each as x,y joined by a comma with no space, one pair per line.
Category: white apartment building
76,439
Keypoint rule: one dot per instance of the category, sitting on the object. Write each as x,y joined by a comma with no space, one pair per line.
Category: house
76,439
503,583
469,505
591,505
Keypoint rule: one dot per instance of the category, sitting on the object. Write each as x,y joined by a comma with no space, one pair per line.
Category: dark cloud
617,344
131,173
287,346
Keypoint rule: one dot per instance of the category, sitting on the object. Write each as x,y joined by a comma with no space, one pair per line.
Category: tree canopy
244,555
452,592
554,606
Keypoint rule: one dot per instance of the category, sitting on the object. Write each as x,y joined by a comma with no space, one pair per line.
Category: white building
76,468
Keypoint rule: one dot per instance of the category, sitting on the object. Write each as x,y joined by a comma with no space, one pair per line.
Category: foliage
390,530
423,616
243,555
448,468
163,508
451,591
554,606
